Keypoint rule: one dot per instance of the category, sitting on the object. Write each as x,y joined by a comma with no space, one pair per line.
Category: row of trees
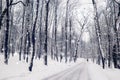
107,32
38,28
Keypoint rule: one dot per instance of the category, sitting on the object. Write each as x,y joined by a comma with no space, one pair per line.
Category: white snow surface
18,70
96,72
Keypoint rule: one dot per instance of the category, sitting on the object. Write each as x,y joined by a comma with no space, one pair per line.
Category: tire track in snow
78,72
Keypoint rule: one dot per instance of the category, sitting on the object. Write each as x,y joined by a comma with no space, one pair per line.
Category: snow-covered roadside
18,70
113,74
97,73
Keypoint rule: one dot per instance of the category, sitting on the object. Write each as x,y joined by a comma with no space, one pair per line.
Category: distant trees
22,32
66,29
82,25
112,22
56,25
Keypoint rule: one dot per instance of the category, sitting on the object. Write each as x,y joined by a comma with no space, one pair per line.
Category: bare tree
7,32
66,29
55,32
98,33
40,30
21,40
46,31
82,25
116,24
4,12
33,36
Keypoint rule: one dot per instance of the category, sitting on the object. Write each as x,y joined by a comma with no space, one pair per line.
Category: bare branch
117,2
5,10
17,3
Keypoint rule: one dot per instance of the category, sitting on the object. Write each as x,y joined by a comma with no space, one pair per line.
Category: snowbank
113,74
97,73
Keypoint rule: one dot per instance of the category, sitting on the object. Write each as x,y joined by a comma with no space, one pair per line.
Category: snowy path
78,72
81,70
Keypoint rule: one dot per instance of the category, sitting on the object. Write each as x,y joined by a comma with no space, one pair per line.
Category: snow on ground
18,70
97,73
113,74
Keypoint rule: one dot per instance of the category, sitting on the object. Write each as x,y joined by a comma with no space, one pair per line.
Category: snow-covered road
78,72
81,70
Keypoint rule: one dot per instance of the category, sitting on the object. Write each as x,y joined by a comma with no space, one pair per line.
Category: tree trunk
40,30
98,33
21,40
109,41
62,39
27,41
7,32
33,37
46,31
70,38
56,51
0,12
11,31
66,31
116,19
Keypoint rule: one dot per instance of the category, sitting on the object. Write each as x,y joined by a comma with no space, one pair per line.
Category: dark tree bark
33,37
28,24
27,41
116,19
1,44
7,32
11,32
66,31
0,7
0,11
115,27
56,50
4,12
114,55
70,39
109,48
46,31
40,30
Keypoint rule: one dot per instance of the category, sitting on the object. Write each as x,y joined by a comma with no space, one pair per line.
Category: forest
62,30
